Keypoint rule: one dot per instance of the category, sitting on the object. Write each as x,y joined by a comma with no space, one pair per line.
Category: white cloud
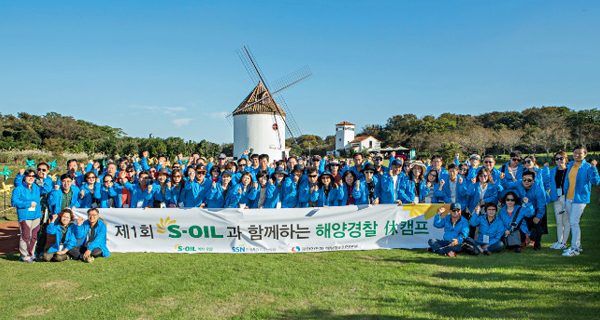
171,111
217,115
181,121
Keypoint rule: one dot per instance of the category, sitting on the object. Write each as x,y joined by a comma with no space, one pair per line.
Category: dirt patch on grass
9,237
35,311
59,284
236,305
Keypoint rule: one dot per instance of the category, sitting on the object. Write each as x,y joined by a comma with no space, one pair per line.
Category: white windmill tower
259,122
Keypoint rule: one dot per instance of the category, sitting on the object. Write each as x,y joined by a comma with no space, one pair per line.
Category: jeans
563,226
443,246
494,247
575,211
29,232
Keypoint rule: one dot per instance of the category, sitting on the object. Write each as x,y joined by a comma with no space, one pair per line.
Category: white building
259,125
345,139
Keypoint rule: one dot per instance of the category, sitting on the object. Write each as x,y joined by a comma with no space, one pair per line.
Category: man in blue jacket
93,230
456,230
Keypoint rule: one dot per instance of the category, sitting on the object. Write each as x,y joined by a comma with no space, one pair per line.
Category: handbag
470,246
514,237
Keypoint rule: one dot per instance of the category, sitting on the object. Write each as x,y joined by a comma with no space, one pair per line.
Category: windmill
260,123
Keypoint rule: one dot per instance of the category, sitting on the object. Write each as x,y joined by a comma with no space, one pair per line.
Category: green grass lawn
379,284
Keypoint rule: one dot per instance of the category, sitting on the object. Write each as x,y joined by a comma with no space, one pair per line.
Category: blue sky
171,68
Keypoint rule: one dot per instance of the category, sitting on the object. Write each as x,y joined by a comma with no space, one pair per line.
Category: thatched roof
266,106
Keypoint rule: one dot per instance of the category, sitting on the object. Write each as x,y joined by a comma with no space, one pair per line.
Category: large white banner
197,230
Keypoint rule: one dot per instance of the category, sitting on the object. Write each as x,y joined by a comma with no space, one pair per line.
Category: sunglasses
378,159
107,181
527,180
313,176
433,175
31,175
528,161
369,172
43,170
516,159
510,199
559,158
487,161
456,210
177,176
200,172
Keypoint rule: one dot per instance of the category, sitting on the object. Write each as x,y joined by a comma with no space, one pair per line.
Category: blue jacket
22,197
474,192
200,190
550,180
55,199
286,194
70,240
387,192
332,199
158,195
459,231
106,194
216,197
437,195
244,195
183,193
494,231
139,198
535,195
586,177
100,240
88,197
525,212
360,195
461,192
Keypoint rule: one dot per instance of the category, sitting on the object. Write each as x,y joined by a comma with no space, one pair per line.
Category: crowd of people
494,206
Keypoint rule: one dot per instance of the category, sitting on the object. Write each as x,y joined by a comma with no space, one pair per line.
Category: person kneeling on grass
61,225
456,230
491,229
93,231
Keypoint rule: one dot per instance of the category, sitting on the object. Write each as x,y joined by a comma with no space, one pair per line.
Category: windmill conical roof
251,106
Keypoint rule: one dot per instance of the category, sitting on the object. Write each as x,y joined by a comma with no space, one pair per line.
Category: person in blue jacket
392,188
358,165
306,188
454,188
415,182
221,194
260,188
141,192
108,194
482,190
26,199
93,233
280,190
352,190
89,194
161,193
200,185
456,230
62,227
581,175
555,179
513,167
244,191
428,192
529,191
64,196
437,164
491,229
370,187
326,193
513,214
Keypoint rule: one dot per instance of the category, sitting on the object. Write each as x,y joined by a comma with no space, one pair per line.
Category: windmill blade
248,65
290,123
252,67
291,79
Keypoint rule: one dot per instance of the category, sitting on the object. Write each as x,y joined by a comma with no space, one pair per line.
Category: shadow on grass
10,257
303,314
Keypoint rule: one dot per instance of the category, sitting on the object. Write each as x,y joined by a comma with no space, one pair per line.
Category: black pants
76,252
535,231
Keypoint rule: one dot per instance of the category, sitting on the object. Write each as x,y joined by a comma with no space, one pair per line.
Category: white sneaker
555,245
571,252
561,246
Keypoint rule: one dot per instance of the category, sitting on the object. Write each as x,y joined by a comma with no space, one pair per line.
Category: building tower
344,133
259,125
